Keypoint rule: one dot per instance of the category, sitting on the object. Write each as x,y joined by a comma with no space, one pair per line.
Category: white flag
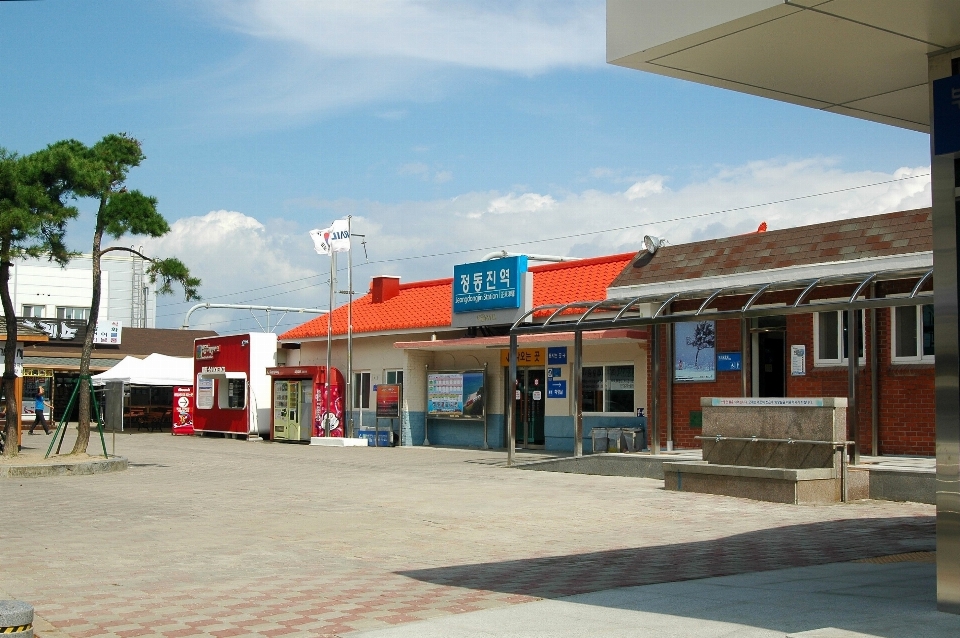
339,236
321,240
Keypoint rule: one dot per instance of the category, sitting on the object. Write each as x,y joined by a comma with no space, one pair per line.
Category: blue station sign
488,285
557,355
728,361
556,389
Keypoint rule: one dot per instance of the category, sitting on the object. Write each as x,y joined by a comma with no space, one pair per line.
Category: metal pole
486,391
655,390
853,424
874,381
578,393
350,326
329,398
744,347
426,403
670,359
511,386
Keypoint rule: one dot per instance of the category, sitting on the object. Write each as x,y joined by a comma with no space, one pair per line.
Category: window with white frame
69,312
392,377
32,311
361,390
830,338
608,388
911,328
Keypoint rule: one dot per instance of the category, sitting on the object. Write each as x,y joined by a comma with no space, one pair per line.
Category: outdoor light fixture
651,243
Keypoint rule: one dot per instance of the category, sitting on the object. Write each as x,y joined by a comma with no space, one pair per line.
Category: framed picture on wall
695,351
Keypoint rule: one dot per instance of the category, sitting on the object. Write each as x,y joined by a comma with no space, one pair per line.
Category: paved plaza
218,537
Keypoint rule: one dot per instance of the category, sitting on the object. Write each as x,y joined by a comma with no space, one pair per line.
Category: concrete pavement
214,537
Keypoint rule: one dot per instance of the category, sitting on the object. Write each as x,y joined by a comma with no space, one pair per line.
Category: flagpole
350,327
329,407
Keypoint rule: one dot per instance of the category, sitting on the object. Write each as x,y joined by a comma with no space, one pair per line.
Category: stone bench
781,450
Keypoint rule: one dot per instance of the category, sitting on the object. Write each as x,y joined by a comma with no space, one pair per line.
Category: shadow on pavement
763,550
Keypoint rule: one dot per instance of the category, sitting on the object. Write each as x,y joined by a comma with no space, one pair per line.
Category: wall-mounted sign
729,362
557,355
488,285
554,373
207,352
455,395
694,351
798,361
72,330
388,401
556,389
526,357
108,333
946,115
17,360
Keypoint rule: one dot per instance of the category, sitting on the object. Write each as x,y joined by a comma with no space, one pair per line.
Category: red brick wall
906,391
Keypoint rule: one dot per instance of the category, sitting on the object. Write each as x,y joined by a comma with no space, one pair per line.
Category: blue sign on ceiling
946,115
488,285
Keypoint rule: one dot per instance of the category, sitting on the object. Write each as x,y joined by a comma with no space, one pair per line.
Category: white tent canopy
156,369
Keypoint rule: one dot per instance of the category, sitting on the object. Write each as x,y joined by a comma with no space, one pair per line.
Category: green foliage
170,270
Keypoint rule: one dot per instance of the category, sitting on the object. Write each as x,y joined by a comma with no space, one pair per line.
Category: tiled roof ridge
579,263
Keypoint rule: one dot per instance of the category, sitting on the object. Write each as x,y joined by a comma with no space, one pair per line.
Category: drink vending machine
299,402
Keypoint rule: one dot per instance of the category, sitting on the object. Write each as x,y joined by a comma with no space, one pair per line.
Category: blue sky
443,127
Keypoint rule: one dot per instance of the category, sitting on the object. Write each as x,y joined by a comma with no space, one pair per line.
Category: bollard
16,619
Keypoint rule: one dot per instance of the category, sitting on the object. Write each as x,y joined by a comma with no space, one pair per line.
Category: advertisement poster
205,394
388,401
695,354
455,395
798,361
336,413
183,410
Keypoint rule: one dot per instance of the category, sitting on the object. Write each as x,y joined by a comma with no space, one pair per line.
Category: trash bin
599,438
613,439
634,439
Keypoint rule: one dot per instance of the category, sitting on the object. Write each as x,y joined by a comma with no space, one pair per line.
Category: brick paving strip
210,537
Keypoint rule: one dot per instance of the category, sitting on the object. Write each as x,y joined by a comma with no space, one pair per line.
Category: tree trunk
12,445
83,426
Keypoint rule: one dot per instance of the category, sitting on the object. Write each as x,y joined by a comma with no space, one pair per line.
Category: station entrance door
529,407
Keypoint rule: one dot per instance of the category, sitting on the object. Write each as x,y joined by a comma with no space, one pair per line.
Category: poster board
388,401
695,351
456,395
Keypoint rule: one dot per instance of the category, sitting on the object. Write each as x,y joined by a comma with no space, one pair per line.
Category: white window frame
396,372
919,357
842,361
61,310
357,390
23,308
603,382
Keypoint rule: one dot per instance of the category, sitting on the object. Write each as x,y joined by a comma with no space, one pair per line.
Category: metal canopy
628,315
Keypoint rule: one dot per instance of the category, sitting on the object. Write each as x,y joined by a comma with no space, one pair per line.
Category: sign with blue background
554,373
946,115
488,285
556,389
557,355
728,361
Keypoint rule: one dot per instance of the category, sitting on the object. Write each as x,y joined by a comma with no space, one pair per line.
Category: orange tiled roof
426,304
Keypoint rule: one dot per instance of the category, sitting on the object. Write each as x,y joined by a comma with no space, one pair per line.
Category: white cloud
414,168
526,36
234,253
644,188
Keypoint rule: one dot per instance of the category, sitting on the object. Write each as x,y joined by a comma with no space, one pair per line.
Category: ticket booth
299,402
232,388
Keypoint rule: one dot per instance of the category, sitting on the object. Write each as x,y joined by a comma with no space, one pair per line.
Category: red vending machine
299,402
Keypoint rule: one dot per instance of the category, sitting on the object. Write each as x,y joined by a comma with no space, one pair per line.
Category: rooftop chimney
384,288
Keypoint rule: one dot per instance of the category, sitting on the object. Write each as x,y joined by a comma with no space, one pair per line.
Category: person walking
39,404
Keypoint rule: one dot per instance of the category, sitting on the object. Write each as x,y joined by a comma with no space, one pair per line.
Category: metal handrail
757,439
